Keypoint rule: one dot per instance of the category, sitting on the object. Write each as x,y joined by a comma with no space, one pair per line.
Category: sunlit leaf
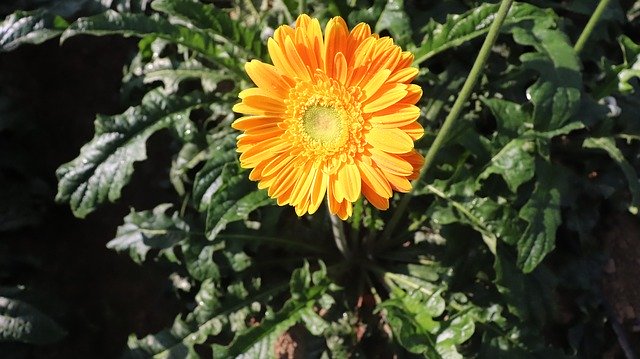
542,212
105,164
146,230
33,27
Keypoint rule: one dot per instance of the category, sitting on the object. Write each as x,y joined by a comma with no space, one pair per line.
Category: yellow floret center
323,124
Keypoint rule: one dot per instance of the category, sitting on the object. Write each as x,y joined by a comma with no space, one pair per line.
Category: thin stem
443,134
302,5
588,29
338,235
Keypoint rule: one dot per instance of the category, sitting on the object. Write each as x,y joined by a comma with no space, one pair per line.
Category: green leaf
146,230
31,27
307,289
111,22
171,75
458,29
511,118
21,322
542,212
608,145
223,191
240,39
105,164
394,19
631,66
209,179
556,94
530,297
208,319
514,163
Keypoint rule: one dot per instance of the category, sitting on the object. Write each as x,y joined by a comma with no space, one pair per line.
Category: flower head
334,117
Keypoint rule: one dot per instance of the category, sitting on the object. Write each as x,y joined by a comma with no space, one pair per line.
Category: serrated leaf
556,94
242,39
608,145
146,230
258,341
32,27
185,333
208,180
232,201
171,75
458,29
542,212
111,22
514,163
105,164
21,322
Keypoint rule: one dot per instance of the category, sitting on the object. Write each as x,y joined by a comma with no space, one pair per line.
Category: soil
621,276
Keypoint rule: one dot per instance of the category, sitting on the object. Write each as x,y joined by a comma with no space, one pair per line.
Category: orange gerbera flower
333,115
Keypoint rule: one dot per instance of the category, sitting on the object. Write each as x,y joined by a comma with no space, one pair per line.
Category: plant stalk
338,235
443,134
591,24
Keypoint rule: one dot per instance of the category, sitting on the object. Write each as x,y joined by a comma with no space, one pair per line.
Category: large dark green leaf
542,212
515,163
556,93
210,318
307,289
33,27
146,230
241,39
223,191
105,164
21,322
458,29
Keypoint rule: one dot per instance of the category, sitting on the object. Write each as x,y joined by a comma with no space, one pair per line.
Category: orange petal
391,163
395,116
284,182
255,122
372,86
374,179
392,140
375,198
340,68
259,135
387,95
318,189
296,62
349,181
414,130
399,183
259,105
262,151
336,34
303,184
405,75
268,78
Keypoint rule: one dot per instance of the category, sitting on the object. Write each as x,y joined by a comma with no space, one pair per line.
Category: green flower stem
588,29
338,235
443,134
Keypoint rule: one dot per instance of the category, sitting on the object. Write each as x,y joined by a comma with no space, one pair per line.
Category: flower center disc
322,124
